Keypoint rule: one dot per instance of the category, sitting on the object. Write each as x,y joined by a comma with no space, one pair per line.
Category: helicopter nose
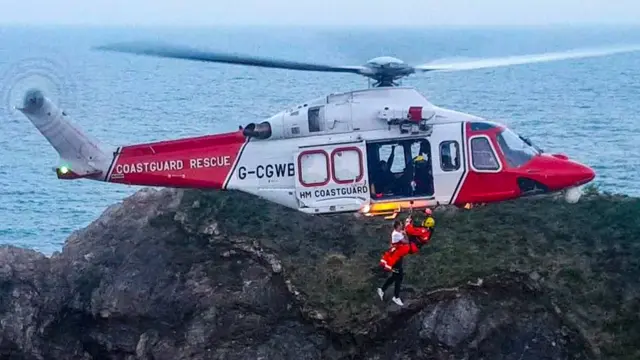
576,174
583,174
557,172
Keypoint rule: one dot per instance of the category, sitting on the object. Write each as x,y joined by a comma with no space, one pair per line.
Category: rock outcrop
176,274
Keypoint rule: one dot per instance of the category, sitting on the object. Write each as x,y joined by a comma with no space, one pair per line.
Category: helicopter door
449,163
332,178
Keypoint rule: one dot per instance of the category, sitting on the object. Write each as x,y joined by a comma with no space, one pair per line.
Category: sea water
588,109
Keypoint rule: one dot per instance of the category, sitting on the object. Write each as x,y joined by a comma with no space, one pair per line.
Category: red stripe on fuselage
199,162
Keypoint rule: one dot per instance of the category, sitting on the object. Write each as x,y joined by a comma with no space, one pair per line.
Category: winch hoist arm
412,119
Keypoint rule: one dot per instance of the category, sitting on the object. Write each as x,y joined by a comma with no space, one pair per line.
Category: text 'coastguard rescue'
172,165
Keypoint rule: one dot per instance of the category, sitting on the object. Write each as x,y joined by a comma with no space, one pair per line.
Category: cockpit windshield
516,150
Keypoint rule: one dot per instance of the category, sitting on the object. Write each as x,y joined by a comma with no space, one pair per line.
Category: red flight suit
396,252
421,234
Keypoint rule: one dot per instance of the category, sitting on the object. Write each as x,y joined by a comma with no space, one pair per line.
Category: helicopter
374,151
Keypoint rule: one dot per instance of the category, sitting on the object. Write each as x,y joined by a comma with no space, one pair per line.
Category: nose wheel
572,195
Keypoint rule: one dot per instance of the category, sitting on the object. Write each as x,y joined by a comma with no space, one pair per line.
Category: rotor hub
386,61
386,70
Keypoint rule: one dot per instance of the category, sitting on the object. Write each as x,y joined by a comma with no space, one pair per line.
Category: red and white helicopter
331,154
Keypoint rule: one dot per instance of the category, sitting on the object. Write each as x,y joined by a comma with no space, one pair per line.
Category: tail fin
80,156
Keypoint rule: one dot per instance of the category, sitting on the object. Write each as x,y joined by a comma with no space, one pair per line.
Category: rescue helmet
429,222
428,212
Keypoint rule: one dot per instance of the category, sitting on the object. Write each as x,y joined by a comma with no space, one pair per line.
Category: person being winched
407,239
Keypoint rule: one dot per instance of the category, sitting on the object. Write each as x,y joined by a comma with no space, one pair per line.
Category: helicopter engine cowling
271,129
260,131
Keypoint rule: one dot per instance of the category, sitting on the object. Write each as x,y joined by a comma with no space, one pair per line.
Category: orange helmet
428,212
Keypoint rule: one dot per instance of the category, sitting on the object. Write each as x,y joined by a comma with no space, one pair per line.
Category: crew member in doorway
422,170
384,180
399,245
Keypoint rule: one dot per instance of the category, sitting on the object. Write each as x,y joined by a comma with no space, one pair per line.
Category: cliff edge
185,274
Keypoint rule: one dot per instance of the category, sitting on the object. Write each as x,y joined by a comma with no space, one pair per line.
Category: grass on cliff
586,255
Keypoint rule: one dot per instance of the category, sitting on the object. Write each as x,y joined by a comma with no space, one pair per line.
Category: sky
319,12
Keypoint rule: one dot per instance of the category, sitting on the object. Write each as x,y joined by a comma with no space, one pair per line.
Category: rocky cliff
176,274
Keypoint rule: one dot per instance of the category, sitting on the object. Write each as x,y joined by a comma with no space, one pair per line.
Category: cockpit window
516,151
482,156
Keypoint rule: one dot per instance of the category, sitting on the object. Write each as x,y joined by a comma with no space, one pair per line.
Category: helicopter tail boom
197,162
205,162
80,155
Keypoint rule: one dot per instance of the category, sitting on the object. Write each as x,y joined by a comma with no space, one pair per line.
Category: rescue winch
413,119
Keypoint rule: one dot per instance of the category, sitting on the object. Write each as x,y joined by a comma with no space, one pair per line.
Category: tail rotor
48,75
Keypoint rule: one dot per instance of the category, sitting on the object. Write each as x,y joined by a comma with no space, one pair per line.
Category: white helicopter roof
357,110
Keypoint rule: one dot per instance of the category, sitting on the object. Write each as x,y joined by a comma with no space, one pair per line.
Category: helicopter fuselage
334,154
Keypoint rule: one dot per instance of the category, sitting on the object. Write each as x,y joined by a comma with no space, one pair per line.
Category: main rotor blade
526,59
181,52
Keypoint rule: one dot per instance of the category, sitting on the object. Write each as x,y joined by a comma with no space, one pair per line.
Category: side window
398,162
314,168
314,119
482,156
347,165
450,155
415,149
420,147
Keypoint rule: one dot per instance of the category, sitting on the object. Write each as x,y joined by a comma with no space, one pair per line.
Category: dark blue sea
588,109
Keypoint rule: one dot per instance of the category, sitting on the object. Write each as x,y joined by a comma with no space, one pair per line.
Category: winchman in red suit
420,231
404,242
